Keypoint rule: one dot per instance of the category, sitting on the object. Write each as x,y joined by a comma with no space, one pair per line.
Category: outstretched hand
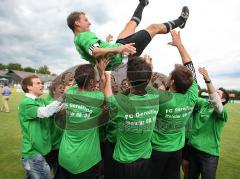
176,38
204,73
127,49
102,64
148,59
109,38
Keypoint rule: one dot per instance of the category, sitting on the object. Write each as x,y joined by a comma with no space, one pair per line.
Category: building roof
23,74
3,73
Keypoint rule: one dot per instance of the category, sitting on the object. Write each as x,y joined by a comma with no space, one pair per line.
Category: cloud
34,33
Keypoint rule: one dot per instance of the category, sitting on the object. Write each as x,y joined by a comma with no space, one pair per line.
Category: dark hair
139,73
84,74
5,84
27,82
182,77
74,16
225,95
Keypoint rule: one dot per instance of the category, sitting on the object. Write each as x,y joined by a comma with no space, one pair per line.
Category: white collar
29,95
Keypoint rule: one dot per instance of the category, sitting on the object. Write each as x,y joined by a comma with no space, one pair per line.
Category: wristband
207,81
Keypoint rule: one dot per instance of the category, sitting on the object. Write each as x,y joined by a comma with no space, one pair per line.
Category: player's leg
164,28
172,167
130,27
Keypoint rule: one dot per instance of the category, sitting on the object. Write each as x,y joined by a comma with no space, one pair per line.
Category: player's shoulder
27,101
85,35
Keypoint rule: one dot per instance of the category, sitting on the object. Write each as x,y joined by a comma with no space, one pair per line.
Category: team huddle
86,128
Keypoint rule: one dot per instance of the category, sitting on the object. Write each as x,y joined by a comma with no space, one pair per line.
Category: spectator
6,92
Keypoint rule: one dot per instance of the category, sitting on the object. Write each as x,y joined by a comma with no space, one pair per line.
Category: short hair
54,86
139,73
65,74
182,77
225,95
63,77
74,16
27,82
84,74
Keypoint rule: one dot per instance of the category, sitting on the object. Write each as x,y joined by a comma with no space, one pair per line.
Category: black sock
174,24
137,15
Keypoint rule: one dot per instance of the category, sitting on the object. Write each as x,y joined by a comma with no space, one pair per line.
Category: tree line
17,66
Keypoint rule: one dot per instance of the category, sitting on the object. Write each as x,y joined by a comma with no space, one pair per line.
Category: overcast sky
34,33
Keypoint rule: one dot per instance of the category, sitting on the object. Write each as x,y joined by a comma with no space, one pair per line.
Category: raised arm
186,59
213,95
101,69
108,86
177,42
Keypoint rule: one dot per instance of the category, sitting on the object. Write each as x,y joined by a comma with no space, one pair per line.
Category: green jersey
111,131
35,131
174,111
85,42
80,147
56,132
207,127
188,127
135,124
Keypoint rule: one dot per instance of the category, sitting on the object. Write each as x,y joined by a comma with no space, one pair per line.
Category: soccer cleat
144,2
184,15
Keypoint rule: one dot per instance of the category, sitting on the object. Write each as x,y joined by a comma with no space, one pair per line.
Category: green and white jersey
80,146
135,117
85,42
36,137
174,111
56,132
207,127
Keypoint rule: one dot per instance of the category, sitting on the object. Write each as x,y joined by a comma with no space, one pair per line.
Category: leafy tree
29,69
2,66
44,70
14,66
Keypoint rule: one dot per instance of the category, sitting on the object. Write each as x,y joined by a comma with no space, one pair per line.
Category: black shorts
91,173
166,164
185,151
108,160
141,168
141,39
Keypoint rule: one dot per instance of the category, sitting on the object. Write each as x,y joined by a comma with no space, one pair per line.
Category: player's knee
154,27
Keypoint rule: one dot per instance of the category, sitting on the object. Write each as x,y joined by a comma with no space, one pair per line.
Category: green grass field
10,144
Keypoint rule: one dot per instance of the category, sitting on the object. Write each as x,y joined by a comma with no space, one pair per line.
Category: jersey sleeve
190,66
192,92
223,115
120,105
87,42
113,107
164,96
